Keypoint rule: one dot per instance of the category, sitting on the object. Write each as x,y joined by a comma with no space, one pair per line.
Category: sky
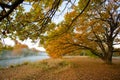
28,42
59,16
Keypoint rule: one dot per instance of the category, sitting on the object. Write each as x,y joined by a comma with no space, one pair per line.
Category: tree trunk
108,57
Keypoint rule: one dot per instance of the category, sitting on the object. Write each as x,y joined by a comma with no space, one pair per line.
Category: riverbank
69,68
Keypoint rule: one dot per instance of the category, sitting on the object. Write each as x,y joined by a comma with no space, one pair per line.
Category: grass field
70,68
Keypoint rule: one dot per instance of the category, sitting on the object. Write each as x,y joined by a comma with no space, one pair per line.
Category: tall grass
51,64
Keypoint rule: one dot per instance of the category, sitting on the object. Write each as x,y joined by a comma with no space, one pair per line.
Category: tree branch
4,5
13,6
86,48
79,13
99,41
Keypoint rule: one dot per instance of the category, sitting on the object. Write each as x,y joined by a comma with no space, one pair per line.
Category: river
15,61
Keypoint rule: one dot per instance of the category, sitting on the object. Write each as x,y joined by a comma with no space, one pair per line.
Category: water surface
15,61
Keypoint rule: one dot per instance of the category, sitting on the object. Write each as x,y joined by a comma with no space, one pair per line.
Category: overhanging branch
12,7
4,5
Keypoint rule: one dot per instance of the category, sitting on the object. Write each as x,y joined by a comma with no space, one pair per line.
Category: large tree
97,30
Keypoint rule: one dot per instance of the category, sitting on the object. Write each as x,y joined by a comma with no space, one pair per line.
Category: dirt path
95,69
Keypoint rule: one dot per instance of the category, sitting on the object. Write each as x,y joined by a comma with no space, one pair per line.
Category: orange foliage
60,46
